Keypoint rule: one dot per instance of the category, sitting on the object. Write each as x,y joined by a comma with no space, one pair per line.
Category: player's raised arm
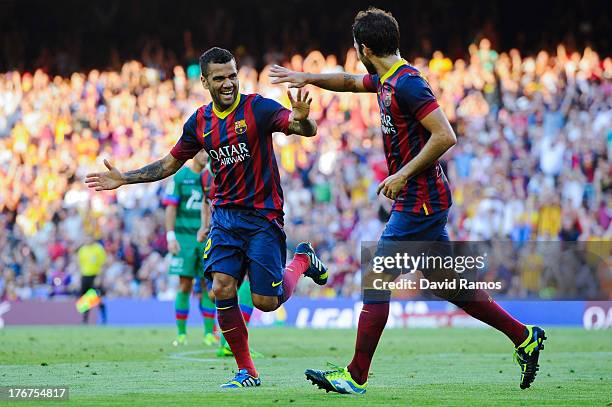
113,178
299,123
442,138
337,82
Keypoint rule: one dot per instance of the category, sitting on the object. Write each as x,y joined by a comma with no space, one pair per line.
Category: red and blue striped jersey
404,99
239,143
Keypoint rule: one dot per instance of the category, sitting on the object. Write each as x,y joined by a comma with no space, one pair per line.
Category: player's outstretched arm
442,138
299,123
337,82
113,178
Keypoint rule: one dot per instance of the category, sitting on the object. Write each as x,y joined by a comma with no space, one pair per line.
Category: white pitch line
186,356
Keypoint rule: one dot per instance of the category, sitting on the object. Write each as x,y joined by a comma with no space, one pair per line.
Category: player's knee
265,303
185,285
224,286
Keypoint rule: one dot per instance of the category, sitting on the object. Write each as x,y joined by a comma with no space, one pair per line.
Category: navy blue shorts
242,241
404,226
427,231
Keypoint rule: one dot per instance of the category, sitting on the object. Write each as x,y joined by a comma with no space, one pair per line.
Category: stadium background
526,85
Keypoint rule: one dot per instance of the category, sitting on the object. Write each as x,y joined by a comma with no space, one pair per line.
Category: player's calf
181,309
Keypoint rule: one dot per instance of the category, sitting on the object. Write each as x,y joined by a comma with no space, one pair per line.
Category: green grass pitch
421,367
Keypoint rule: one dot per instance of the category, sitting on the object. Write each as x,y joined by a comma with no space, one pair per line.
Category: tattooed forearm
154,172
338,82
349,83
148,173
306,128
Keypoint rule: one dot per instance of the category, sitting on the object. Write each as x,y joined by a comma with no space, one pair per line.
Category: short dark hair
215,55
378,30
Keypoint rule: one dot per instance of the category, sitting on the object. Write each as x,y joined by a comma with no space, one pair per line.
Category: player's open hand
295,79
174,247
392,185
101,181
300,105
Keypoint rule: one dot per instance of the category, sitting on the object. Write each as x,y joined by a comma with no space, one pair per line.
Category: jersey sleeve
172,195
271,114
370,82
415,95
188,145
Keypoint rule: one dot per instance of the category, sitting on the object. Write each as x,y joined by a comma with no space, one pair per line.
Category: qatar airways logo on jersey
231,154
386,124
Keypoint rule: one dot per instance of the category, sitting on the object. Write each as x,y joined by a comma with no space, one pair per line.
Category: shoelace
335,371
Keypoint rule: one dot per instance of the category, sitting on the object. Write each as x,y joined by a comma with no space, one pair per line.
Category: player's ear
366,51
204,81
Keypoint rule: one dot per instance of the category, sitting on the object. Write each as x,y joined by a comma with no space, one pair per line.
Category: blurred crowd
66,37
531,163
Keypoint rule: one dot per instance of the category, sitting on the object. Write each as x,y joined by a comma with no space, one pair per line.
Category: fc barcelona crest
240,126
385,93
387,98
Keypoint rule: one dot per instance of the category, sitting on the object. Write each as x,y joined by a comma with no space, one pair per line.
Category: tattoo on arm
349,83
153,172
306,128
148,173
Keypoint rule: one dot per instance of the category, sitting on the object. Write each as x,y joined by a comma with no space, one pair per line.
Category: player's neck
383,64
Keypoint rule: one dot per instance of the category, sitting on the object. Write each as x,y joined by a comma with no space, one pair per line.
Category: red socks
235,332
372,321
232,322
293,272
483,308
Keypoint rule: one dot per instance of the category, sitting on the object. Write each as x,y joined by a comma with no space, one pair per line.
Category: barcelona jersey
239,143
404,99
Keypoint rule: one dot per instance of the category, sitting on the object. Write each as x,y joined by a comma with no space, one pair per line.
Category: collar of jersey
392,70
226,112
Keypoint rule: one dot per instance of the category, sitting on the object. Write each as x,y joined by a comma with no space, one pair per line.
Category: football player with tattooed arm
246,234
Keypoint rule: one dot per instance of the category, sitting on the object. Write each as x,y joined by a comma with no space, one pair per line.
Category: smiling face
222,82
